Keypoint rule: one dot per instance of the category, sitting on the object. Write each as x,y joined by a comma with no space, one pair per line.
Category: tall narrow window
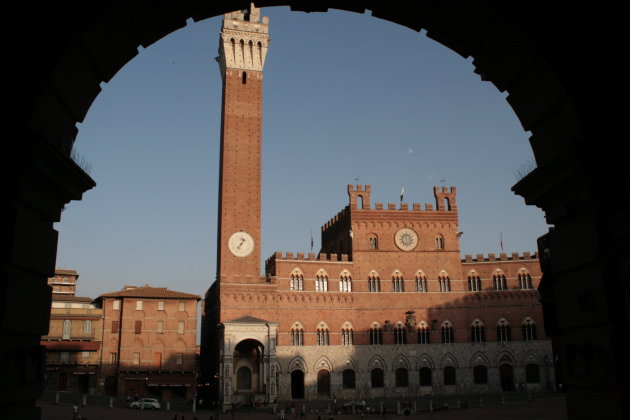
503,331
87,326
402,378
447,333
321,283
179,359
180,327
477,332
421,282
500,281
474,282
424,335
297,281
116,305
138,305
67,328
398,283
373,241
377,378
400,334
297,335
136,358
182,306
138,327
160,305
323,337
449,376
345,283
529,330
347,337
439,242
376,335
160,327
524,280
480,375
115,326
374,283
445,283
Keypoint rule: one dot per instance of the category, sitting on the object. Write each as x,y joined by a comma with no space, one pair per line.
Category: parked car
151,403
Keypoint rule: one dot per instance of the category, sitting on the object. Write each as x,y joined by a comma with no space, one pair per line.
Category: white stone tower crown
244,40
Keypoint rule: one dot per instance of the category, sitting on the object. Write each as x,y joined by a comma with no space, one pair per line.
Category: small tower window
244,78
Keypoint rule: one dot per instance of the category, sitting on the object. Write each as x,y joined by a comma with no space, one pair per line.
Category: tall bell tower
242,49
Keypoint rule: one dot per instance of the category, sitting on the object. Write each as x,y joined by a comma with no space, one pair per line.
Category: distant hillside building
73,342
149,343
387,308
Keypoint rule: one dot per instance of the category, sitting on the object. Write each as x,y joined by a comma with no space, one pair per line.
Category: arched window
524,280
532,373
499,281
374,282
376,378
321,282
402,378
345,282
348,379
373,241
504,332
529,330
474,282
297,335
447,332
449,375
439,242
323,336
297,281
424,335
87,326
421,282
445,282
477,332
244,78
376,335
398,283
480,375
400,334
425,376
347,336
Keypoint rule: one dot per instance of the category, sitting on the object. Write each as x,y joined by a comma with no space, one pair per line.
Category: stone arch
543,89
400,361
449,359
349,363
424,360
506,357
297,363
479,358
531,356
376,361
323,362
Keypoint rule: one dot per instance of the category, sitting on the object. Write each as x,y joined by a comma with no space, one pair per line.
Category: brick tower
243,46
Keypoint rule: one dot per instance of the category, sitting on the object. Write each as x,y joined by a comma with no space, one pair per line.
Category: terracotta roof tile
67,272
70,298
150,292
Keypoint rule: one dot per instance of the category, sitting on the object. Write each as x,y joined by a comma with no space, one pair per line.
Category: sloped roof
66,272
150,292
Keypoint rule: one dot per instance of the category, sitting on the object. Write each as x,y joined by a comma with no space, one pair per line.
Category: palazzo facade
386,308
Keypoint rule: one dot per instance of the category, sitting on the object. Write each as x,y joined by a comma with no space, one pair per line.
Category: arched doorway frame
517,49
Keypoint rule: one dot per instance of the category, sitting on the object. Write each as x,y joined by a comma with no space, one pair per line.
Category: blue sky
346,96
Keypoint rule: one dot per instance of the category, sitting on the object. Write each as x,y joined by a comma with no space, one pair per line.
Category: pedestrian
75,411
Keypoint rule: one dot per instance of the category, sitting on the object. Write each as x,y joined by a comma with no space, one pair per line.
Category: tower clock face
241,244
406,239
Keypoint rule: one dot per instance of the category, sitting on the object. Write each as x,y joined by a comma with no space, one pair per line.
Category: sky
347,99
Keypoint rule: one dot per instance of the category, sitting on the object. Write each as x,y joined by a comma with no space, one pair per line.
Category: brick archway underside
558,73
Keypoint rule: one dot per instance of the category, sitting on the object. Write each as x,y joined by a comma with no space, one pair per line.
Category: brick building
149,343
73,342
387,307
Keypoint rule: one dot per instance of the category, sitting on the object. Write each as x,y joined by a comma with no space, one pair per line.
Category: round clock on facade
406,239
241,244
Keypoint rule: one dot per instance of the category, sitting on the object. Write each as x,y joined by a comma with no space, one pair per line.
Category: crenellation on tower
359,195
445,198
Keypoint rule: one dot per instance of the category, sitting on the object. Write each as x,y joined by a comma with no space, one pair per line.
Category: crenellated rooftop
514,256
